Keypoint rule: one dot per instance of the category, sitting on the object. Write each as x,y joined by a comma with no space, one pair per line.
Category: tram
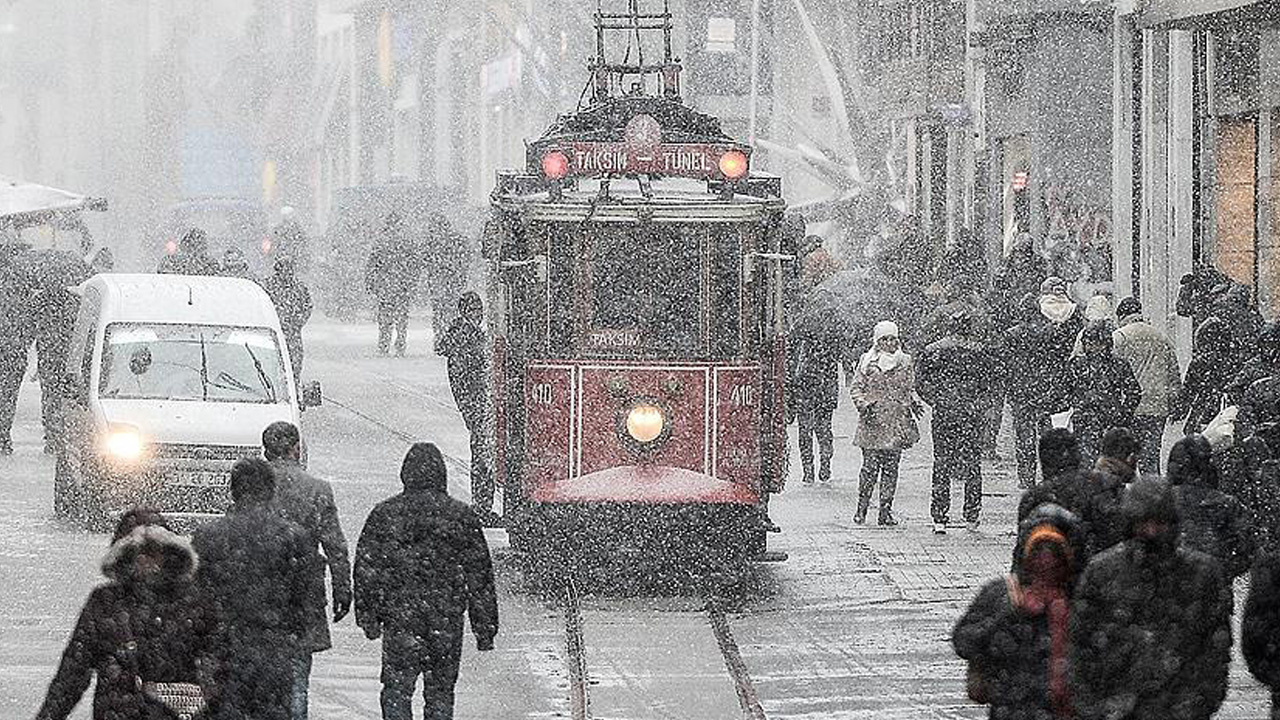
636,272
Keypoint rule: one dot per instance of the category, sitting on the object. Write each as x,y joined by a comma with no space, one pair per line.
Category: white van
171,380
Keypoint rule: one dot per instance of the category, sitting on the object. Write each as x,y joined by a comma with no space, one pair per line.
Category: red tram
637,267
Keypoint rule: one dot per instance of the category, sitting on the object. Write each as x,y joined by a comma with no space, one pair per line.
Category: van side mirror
311,395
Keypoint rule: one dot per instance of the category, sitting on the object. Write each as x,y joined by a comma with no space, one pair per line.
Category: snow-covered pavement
854,625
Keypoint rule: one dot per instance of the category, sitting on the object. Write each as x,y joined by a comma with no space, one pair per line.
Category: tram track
578,666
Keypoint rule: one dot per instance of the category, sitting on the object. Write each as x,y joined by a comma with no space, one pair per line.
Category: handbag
184,700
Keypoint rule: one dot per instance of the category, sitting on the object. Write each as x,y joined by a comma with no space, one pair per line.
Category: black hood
423,468
1191,462
1150,499
1061,519
179,558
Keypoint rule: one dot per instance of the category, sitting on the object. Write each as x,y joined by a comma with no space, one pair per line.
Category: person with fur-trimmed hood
1150,621
148,624
1015,633
422,563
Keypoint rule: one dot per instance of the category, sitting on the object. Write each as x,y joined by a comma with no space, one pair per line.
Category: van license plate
201,479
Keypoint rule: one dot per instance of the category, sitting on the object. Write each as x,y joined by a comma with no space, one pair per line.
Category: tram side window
726,293
646,288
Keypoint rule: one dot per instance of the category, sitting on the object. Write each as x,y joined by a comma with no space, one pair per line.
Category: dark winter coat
187,262
815,370
1037,355
422,559
955,376
1217,525
258,569
1020,276
464,344
1214,362
1068,489
1008,646
1260,631
17,321
1151,627
292,300
394,268
308,501
1104,391
1100,504
1257,487
168,625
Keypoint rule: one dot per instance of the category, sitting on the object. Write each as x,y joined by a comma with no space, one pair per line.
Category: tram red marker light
266,246
171,248
733,164
555,165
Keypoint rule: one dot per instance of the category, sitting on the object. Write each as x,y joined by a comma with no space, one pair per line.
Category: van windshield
203,363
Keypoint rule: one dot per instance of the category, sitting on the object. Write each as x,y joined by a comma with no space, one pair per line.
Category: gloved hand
341,604
484,644
373,632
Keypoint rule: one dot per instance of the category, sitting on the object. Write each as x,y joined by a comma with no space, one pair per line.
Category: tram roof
674,200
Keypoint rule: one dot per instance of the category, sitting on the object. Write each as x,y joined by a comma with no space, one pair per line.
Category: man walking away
422,562
17,332
1104,391
1015,633
955,377
1150,621
1213,522
1151,354
308,501
391,276
1261,626
1064,483
1105,487
293,305
465,345
816,393
191,258
256,567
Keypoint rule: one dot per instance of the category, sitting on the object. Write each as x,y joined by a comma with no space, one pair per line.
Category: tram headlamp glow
733,164
645,423
123,442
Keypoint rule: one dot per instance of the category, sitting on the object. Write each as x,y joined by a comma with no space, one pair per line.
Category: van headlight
123,443
645,423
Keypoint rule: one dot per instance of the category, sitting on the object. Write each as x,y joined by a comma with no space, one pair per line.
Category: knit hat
1128,306
1053,285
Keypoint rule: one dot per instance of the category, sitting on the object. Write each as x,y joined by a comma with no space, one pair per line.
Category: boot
866,486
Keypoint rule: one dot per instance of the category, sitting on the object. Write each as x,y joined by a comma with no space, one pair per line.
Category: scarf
1046,595
1057,308
885,361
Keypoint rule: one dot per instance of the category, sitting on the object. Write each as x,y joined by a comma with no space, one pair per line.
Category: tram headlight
645,423
733,164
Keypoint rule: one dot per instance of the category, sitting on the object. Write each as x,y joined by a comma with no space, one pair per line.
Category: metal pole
753,107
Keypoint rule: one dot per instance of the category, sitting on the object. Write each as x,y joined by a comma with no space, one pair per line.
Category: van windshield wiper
262,375
204,371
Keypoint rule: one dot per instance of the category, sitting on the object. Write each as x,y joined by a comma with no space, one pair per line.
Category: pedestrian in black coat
258,570
1065,481
17,332
1257,484
192,257
391,275
1101,505
293,304
1036,368
1104,390
954,377
466,345
1150,621
308,501
1212,521
148,624
816,354
1260,630
1261,366
422,562
1015,633
1214,363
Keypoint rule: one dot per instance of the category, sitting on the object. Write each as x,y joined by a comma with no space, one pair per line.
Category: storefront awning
24,204
1189,13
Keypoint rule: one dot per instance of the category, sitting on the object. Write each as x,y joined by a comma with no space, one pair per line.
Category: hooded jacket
1150,623
1008,633
1104,389
1260,630
168,622
1214,363
1038,352
422,560
1212,521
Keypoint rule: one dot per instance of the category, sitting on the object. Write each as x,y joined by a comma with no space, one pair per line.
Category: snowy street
854,625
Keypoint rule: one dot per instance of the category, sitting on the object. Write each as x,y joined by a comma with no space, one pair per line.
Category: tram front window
646,292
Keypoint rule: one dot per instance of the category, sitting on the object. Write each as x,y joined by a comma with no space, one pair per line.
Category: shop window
1016,188
1235,244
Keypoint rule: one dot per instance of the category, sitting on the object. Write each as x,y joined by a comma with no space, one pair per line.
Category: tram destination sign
701,161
